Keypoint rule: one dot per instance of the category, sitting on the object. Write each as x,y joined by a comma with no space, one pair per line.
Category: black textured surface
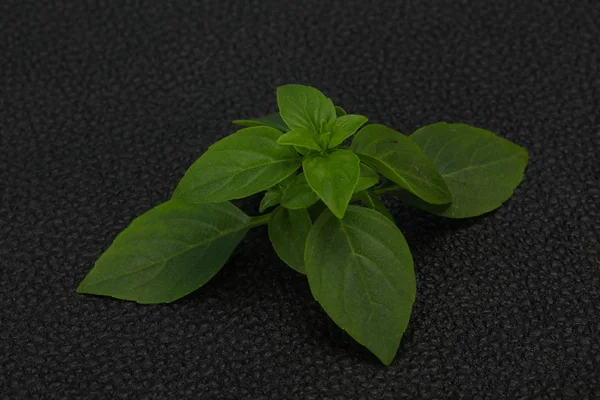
104,105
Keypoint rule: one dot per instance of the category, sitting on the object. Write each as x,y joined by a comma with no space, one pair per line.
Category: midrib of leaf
243,151
254,137
230,178
172,271
365,146
164,260
477,150
484,165
158,271
304,111
166,220
435,159
381,246
393,151
473,195
305,100
143,226
139,239
252,157
392,169
426,146
359,269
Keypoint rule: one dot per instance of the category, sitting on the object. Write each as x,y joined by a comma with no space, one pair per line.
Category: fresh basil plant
327,220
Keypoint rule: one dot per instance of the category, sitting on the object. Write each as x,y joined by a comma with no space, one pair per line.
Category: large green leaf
298,194
300,138
333,176
167,252
344,127
272,120
304,107
361,272
400,160
482,170
288,230
247,162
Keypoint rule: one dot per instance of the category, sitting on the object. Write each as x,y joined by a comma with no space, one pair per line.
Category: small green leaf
271,198
272,120
482,170
361,272
344,127
381,208
339,111
373,202
168,252
298,194
333,176
400,160
247,162
302,150
300,138
288,230
365,198
304,107
368,178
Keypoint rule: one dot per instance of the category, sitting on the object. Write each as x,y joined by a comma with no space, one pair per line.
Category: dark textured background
104,105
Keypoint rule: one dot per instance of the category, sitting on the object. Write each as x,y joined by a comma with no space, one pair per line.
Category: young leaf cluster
322,173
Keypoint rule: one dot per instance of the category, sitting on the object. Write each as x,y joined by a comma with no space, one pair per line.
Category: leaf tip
84,286
339,213
387,361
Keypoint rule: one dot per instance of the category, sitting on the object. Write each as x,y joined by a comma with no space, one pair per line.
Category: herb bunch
327,220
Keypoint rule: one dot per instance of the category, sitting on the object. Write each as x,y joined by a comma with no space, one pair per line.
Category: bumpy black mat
103,106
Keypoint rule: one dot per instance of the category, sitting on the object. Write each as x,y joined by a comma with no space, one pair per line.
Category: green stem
385,189
260,220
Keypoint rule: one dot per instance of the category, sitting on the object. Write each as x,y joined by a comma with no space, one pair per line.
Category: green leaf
271,198
381,208
168,252
301,138
324,139
344,127
361,272
373,202
288,230
333,176
400,160
304,107
339,111
302,150
247,162
481,170
272,120
368,178
365,198
298,194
